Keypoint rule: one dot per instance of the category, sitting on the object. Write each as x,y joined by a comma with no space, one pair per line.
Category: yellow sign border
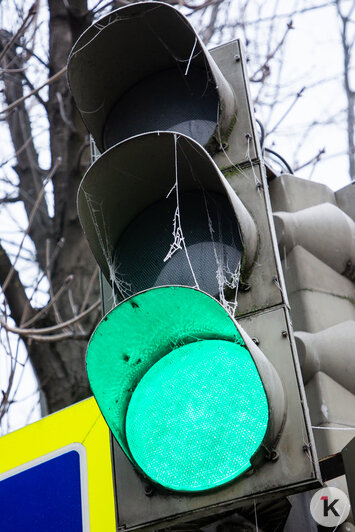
81,423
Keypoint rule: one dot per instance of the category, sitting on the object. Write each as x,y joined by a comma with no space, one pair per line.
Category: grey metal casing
263,313
322,304
292,472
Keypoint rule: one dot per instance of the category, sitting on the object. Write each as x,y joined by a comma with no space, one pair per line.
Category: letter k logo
327,506
330,507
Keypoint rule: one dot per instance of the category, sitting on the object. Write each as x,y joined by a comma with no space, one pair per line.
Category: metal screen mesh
210,233
166,101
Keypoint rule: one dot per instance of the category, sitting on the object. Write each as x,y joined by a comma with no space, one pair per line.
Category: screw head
223,146
244,287
148,490
274,455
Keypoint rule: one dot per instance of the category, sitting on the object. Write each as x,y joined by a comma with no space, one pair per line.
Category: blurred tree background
301,69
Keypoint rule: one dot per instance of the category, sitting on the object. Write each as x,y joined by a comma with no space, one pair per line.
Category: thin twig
32,215
60,337
74,310
31,13
89,288
271,54
45,309
58,247
51,291
298,95
23,98
314,159
54,328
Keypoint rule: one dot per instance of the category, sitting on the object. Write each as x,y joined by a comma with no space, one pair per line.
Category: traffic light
188,396
207,413
316,234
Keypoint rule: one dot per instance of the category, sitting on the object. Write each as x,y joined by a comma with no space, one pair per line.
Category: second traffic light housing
156,210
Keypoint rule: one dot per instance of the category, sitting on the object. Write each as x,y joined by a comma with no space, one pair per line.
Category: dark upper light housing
168,101
143,68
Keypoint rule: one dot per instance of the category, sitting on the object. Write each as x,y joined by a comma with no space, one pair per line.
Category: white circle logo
330,507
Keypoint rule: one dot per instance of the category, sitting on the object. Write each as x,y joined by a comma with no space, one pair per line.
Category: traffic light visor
143,68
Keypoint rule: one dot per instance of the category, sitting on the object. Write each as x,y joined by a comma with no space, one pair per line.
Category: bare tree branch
349,92
59,327
31,13
14,291
17,102
27,167
264,67
30,221
298,95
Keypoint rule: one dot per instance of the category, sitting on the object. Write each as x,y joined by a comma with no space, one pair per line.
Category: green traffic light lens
197,416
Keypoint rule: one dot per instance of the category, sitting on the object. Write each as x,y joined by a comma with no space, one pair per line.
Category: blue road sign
47,494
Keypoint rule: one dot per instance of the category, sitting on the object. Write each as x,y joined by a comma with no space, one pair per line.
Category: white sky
316,55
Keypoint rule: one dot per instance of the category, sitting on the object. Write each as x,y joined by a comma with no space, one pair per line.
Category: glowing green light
197,416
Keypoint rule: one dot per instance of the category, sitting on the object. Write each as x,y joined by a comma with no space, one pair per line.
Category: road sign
56,474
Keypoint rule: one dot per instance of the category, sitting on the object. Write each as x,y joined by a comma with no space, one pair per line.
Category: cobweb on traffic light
227,279
179,239
194,243
118,284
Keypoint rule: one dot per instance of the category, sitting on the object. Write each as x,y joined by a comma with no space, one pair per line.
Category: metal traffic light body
316,235
130,200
